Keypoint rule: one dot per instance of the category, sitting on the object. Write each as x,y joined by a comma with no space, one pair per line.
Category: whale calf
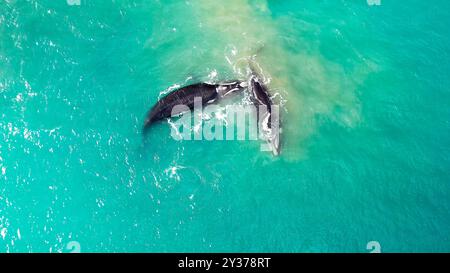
186,95
260,96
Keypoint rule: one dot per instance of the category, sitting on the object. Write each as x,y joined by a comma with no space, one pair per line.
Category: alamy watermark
374,2
73,247
374,247
73,2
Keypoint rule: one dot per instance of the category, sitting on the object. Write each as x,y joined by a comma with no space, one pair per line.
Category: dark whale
186,96
259,95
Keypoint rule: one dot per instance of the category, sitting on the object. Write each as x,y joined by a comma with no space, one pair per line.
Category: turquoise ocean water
366,127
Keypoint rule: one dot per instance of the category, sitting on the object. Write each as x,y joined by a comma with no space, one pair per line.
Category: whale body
187,95
260,96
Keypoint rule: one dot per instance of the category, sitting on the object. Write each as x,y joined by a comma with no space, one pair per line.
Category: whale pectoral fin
230,91
275,143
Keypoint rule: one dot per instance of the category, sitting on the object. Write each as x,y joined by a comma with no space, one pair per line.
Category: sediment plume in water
303,81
